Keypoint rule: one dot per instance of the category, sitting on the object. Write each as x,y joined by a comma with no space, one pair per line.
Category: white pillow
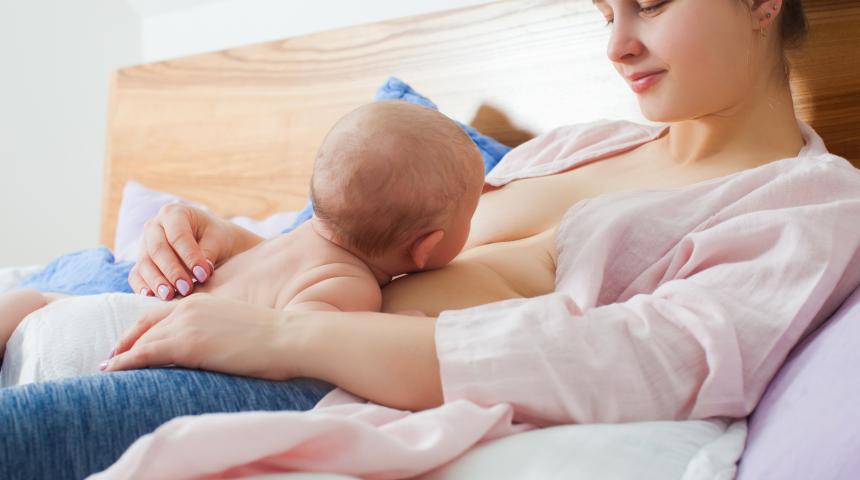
680,450
139,204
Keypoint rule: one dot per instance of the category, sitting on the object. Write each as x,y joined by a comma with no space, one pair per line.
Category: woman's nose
624,43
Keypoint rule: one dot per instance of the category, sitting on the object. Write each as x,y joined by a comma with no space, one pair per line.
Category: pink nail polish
183,287
144,291
111,354
103,366
163,291
199,273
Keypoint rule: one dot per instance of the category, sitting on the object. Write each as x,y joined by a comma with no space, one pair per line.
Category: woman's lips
644,83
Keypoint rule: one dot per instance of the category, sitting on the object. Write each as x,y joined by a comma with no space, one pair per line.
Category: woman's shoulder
563,146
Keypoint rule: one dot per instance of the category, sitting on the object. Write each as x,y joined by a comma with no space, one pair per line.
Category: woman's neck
761,129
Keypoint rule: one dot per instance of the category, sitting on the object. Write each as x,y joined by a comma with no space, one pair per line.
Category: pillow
665,450
139,204
806,424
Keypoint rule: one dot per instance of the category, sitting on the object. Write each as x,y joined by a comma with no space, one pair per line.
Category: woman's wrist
386,358
241,239
292,345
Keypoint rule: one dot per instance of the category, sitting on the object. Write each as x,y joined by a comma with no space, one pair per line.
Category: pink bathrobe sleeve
668,304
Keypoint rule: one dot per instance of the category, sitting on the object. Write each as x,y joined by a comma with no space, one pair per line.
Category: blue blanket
94,271
82,273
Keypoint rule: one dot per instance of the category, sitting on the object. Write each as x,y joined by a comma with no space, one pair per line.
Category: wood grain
238,129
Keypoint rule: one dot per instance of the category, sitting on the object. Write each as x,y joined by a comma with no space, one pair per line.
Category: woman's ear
423,246
765,13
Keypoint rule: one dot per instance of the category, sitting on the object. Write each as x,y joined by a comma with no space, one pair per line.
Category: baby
394,188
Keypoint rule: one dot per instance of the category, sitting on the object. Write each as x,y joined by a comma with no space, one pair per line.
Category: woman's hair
792,26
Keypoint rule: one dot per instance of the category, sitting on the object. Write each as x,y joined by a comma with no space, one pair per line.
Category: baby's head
397,184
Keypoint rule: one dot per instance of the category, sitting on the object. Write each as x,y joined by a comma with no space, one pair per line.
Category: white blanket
70,337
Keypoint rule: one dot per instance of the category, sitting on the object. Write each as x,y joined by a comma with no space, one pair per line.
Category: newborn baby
394,188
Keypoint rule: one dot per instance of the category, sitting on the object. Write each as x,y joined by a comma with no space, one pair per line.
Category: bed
237,130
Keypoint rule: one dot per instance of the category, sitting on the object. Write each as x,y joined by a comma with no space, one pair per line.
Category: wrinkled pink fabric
669,304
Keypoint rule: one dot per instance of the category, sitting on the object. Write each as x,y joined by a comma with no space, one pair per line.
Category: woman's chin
660,113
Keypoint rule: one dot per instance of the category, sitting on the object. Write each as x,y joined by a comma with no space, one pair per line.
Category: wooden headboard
238,129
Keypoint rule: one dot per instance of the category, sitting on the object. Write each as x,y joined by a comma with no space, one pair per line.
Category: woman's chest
528,206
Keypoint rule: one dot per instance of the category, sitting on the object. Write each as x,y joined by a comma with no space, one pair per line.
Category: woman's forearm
388,359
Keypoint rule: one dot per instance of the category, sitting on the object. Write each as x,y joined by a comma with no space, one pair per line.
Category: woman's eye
646,10
651,8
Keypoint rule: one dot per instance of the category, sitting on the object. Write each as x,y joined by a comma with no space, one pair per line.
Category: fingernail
163,291
103,366
183,287
199,273
144,291
112,353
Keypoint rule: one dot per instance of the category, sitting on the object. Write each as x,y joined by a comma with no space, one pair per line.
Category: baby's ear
423,246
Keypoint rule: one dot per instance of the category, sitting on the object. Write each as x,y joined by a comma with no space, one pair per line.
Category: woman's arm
389,359
386,358
182,243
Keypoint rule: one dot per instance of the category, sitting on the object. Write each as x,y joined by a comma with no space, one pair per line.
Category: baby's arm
348,293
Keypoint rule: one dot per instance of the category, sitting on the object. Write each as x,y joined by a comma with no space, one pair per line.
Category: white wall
57,56
56,59
218,24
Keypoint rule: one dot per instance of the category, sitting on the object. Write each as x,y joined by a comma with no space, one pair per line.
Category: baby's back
300,269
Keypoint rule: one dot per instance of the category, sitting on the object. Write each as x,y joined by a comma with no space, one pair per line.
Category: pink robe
668,305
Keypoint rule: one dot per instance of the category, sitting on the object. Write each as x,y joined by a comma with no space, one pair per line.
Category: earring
767,15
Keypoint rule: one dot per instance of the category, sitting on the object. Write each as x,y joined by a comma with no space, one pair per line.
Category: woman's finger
156,353
143,324
162,256
179,227
137,284
154,280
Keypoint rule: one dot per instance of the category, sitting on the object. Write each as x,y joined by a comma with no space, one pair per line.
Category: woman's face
699,49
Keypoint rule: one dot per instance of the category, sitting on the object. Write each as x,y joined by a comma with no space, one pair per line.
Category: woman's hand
208,333
181,245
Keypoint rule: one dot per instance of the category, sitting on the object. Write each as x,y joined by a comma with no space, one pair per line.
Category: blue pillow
93,271
396,89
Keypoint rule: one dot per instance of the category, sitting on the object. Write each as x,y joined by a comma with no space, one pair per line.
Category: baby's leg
14,306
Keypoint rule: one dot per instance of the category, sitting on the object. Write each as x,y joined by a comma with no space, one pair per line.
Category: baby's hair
389,171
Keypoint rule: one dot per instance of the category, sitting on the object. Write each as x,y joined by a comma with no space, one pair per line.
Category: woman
700,304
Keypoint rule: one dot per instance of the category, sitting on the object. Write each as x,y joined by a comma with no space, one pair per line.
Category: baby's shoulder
345,285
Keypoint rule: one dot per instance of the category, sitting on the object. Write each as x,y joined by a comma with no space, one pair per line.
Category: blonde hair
388,171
